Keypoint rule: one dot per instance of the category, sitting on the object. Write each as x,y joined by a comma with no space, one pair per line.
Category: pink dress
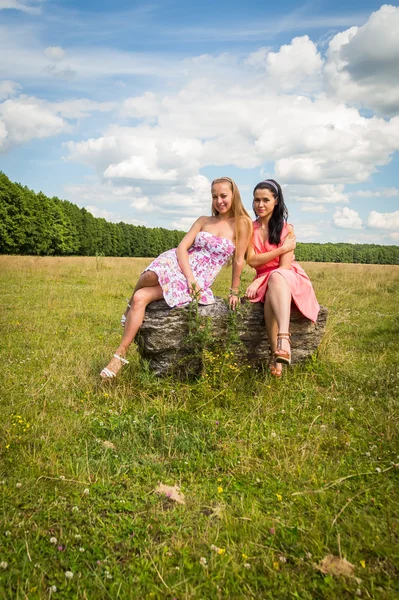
206,256
301,288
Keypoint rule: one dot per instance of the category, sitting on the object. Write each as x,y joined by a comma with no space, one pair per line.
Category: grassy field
276,474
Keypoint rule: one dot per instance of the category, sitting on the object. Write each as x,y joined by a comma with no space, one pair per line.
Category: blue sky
131,109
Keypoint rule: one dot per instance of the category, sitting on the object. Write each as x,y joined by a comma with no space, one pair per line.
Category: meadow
276,474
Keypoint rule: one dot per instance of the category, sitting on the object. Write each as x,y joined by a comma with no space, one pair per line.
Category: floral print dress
207,256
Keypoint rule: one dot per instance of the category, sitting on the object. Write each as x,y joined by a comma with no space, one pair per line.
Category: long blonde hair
237,206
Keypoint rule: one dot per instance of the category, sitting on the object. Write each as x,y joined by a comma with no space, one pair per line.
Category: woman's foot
283,350
275,369
113,367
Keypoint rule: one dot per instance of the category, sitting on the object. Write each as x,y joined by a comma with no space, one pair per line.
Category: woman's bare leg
271,324
271,330
279,296
141,299
146,279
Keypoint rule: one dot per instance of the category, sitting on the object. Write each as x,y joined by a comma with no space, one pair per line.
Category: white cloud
140,168
113,217
145,106
58,68
325,193
86,65
139,154
394,236
194,197
309,140
258,59
8,88
55,53
184,223
307,232
3,135
363,62
24,118
294,64
346,218
383,193
29,118
81,108
383,220
210,121
367,237
101,193
181,203
101,213
140,203
29,6
313,208
65,72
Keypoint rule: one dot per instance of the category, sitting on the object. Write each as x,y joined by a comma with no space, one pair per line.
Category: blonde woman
188,271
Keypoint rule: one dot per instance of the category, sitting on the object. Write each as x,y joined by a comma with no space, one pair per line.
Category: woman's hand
252,289
233,301
289,243
194,288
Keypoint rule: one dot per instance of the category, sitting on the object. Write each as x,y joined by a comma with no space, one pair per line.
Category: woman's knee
275,279
141,298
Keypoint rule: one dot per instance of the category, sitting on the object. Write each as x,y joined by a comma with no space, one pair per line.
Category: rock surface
164,338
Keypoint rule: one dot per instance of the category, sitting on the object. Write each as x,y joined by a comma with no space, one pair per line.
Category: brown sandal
273,370
281,355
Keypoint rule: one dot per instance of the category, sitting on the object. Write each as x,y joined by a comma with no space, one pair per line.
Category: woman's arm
286,251
244,232
257,260
182,254
287,258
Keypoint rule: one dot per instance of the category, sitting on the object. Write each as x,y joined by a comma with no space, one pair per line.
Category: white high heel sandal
107,373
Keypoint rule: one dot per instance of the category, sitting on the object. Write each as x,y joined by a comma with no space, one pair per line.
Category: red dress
300,285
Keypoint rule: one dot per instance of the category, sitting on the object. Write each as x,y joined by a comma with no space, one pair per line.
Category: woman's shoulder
287,228
204,220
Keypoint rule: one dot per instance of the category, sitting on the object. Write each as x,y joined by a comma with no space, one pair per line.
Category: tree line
34,224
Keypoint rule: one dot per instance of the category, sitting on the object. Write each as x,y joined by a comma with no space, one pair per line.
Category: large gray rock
169,339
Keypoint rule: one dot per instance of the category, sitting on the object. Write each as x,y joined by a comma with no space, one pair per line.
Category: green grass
276,474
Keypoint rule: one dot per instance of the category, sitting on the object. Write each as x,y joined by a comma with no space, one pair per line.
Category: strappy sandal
283,356
123,317
107,373
273,370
